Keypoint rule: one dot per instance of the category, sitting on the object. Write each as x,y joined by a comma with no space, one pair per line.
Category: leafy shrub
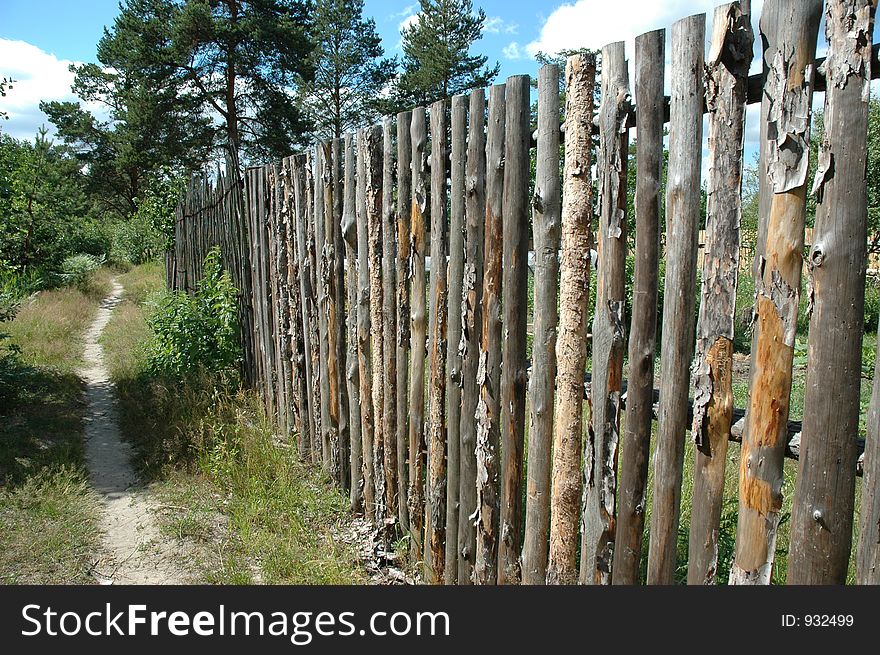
197,332
872,303
77,270
135,241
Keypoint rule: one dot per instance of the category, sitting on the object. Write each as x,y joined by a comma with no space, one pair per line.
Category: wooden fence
414,391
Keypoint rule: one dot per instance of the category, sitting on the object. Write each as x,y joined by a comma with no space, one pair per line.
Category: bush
136,241
197,332
77,270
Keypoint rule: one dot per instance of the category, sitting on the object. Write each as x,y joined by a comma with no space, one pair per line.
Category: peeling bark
635,446
489,368
603,437
453,309
389,325
546,216
363,332
419,332
471,321
373,164
571,346
435,510
793,29
726,85
822,511
404,207
312,268
677,342
344,436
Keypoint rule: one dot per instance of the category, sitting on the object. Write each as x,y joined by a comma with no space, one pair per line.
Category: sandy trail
136,551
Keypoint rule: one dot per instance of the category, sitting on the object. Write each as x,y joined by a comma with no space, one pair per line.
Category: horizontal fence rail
530,426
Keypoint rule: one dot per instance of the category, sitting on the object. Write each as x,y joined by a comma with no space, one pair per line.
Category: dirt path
136,552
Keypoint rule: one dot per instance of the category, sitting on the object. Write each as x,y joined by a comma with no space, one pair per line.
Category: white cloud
403,13
513,51
38,76
409,21
497,25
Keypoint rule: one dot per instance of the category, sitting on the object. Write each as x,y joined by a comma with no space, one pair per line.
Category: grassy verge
48,513
244,507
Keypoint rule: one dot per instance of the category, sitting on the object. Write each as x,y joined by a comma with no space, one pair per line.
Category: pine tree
437,61
349,71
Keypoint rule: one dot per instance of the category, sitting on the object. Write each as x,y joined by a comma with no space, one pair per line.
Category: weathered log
636,444
514,376
435,509
677,343
404,207
546,216
471,323
352,371
489,369
822,512
794,27
727,72
365,366
326,324
868,554
453,309
373,163
603,437
418,332
344,437
571,345
389,319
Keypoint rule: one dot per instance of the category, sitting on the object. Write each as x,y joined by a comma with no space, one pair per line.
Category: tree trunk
546,214
571,346
727,80
419,332
822,513
603,436
677,344
514,376
794,27
453,359
489,369
404,207
635,449
338,272
472,321
435,511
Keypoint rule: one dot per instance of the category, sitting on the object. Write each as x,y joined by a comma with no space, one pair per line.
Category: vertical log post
389,319
453,359
363,331
868,555
338,271
635,448
471,324
374,172
546,216
677,344
489,370
404,207
794,27
315,355
305,292
352,374
418,332
727,71
571,345
514,377
822,513
600,452
435,510
326,324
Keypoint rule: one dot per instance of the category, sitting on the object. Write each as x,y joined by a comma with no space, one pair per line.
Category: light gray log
338,271
389,319
822,512
453,359
546,217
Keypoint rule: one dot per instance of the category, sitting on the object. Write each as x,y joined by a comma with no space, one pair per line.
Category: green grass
243,504
48,513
